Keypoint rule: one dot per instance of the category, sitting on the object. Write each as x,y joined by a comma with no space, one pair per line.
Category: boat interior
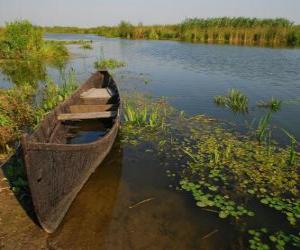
87,116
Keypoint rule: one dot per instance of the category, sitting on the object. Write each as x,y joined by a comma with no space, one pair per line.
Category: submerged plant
235,100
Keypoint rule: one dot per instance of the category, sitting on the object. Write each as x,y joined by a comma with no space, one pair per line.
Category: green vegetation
279,240
263,126
143,114
227,173
235,100
86,46
54,94
109,64
224,30
273,104
19,111
22,40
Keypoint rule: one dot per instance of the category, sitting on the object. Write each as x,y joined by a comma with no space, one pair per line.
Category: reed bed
224,30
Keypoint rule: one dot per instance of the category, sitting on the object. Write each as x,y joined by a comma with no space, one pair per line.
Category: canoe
69,144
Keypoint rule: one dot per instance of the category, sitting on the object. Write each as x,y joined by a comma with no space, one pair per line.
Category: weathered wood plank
91,108
96,93
85,116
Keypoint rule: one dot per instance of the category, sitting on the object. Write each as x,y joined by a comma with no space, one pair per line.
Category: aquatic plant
53,93
109,64
273,104
224,171
235,100
293,153
142,114
86,46
263,240
262,126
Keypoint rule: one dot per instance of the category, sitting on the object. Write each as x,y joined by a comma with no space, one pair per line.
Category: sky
88,13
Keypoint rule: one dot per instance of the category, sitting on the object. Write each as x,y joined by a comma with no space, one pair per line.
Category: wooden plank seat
95,96
92,108
86,116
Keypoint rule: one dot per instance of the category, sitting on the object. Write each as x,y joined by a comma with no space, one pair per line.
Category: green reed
273,104
235,100
277,32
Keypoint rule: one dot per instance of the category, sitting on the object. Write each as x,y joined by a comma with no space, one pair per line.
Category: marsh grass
277,32
235,100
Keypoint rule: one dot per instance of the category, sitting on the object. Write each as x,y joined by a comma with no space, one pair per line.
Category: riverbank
233,31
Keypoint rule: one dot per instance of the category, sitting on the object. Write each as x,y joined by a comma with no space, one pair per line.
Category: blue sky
98,12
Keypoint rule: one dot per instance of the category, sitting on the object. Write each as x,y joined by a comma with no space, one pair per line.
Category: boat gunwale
32,145
63,146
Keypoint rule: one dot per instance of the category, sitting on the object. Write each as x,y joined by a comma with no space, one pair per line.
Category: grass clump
273,104
109,64
86,46
235,100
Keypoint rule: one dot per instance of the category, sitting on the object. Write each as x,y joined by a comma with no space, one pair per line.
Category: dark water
107,213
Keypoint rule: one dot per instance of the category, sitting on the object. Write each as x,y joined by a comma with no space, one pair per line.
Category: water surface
104,215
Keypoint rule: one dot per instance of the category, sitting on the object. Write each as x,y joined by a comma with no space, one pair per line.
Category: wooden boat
58,161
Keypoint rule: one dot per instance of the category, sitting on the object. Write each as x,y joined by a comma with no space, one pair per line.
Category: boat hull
57,172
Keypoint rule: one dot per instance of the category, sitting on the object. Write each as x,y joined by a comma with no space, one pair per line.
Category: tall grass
224,30
262,127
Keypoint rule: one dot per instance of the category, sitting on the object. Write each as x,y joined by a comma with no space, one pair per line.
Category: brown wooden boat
69,145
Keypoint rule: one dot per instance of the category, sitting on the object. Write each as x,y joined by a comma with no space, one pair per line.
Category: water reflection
19,72
86,223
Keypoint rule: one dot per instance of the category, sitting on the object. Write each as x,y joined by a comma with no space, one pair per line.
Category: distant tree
125,29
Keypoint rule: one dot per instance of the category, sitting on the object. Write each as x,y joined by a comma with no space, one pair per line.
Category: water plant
53,93
226,172
262,239
235,100
262,127
109,64
86,46
273,104
293,145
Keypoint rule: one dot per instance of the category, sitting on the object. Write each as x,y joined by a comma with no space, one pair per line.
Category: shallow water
107,214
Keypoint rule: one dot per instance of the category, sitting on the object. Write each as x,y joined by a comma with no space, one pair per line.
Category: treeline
237,31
